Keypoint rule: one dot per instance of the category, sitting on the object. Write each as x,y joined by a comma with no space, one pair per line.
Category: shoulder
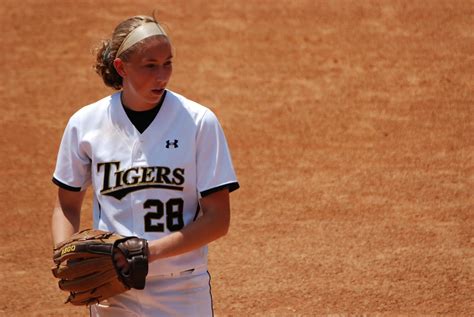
188,105
197,111
94,112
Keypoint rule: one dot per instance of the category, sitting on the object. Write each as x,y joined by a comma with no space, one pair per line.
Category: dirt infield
351,128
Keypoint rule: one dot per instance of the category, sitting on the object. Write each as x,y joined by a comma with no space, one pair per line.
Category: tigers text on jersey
148,184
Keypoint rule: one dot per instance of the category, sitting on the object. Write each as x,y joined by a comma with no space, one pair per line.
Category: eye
168,63
150,65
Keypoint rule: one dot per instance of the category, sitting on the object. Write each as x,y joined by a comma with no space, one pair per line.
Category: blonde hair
107,50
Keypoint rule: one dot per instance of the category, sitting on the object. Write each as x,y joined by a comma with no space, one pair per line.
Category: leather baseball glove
86,265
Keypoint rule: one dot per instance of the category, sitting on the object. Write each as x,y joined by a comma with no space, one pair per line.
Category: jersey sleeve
214,164
73,165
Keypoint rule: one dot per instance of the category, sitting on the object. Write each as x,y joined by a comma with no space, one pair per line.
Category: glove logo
68,249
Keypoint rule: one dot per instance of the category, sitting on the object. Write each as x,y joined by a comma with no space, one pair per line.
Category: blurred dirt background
351,129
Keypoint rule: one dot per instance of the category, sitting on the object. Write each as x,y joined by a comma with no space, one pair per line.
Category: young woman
159,167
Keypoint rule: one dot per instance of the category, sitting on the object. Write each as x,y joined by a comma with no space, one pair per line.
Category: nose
163,74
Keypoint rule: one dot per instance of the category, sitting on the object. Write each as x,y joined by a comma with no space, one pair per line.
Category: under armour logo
173,144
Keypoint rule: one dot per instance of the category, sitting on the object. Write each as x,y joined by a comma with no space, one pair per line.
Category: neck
128,103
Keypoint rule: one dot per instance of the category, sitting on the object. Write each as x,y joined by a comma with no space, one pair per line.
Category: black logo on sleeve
173,144
118,183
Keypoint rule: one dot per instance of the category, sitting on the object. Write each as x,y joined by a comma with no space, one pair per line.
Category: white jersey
146,184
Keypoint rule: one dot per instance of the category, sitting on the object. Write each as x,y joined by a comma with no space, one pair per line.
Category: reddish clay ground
351,128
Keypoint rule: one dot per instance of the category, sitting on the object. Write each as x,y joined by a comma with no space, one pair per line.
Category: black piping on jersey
100,209
210,293
230,186
198,208
64,186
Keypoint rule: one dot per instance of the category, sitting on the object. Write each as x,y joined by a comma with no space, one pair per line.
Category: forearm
199,233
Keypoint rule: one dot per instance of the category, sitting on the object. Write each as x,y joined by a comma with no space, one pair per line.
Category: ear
120,67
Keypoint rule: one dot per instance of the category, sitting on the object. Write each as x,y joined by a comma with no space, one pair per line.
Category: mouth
157,91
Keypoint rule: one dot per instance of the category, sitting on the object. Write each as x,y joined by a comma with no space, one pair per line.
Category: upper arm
217,206
70,201
66,217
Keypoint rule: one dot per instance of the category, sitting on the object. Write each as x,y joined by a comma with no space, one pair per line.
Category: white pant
188,295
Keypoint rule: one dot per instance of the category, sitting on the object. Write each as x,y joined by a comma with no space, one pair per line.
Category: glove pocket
88,282
73,269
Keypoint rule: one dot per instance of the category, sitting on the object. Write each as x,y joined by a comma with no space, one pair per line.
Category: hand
130,257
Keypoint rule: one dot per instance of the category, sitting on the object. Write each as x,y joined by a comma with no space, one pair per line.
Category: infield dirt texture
351,128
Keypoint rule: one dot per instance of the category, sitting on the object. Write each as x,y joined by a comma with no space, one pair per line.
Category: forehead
154,47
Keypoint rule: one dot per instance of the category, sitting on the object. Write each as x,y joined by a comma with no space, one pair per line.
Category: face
146,73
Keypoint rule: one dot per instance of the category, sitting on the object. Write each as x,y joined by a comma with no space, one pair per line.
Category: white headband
142,32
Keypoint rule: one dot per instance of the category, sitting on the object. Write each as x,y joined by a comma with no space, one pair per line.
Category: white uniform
147,184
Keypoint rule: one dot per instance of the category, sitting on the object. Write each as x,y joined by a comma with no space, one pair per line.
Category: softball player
159,167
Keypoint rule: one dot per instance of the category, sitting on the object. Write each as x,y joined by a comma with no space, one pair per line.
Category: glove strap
136,253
